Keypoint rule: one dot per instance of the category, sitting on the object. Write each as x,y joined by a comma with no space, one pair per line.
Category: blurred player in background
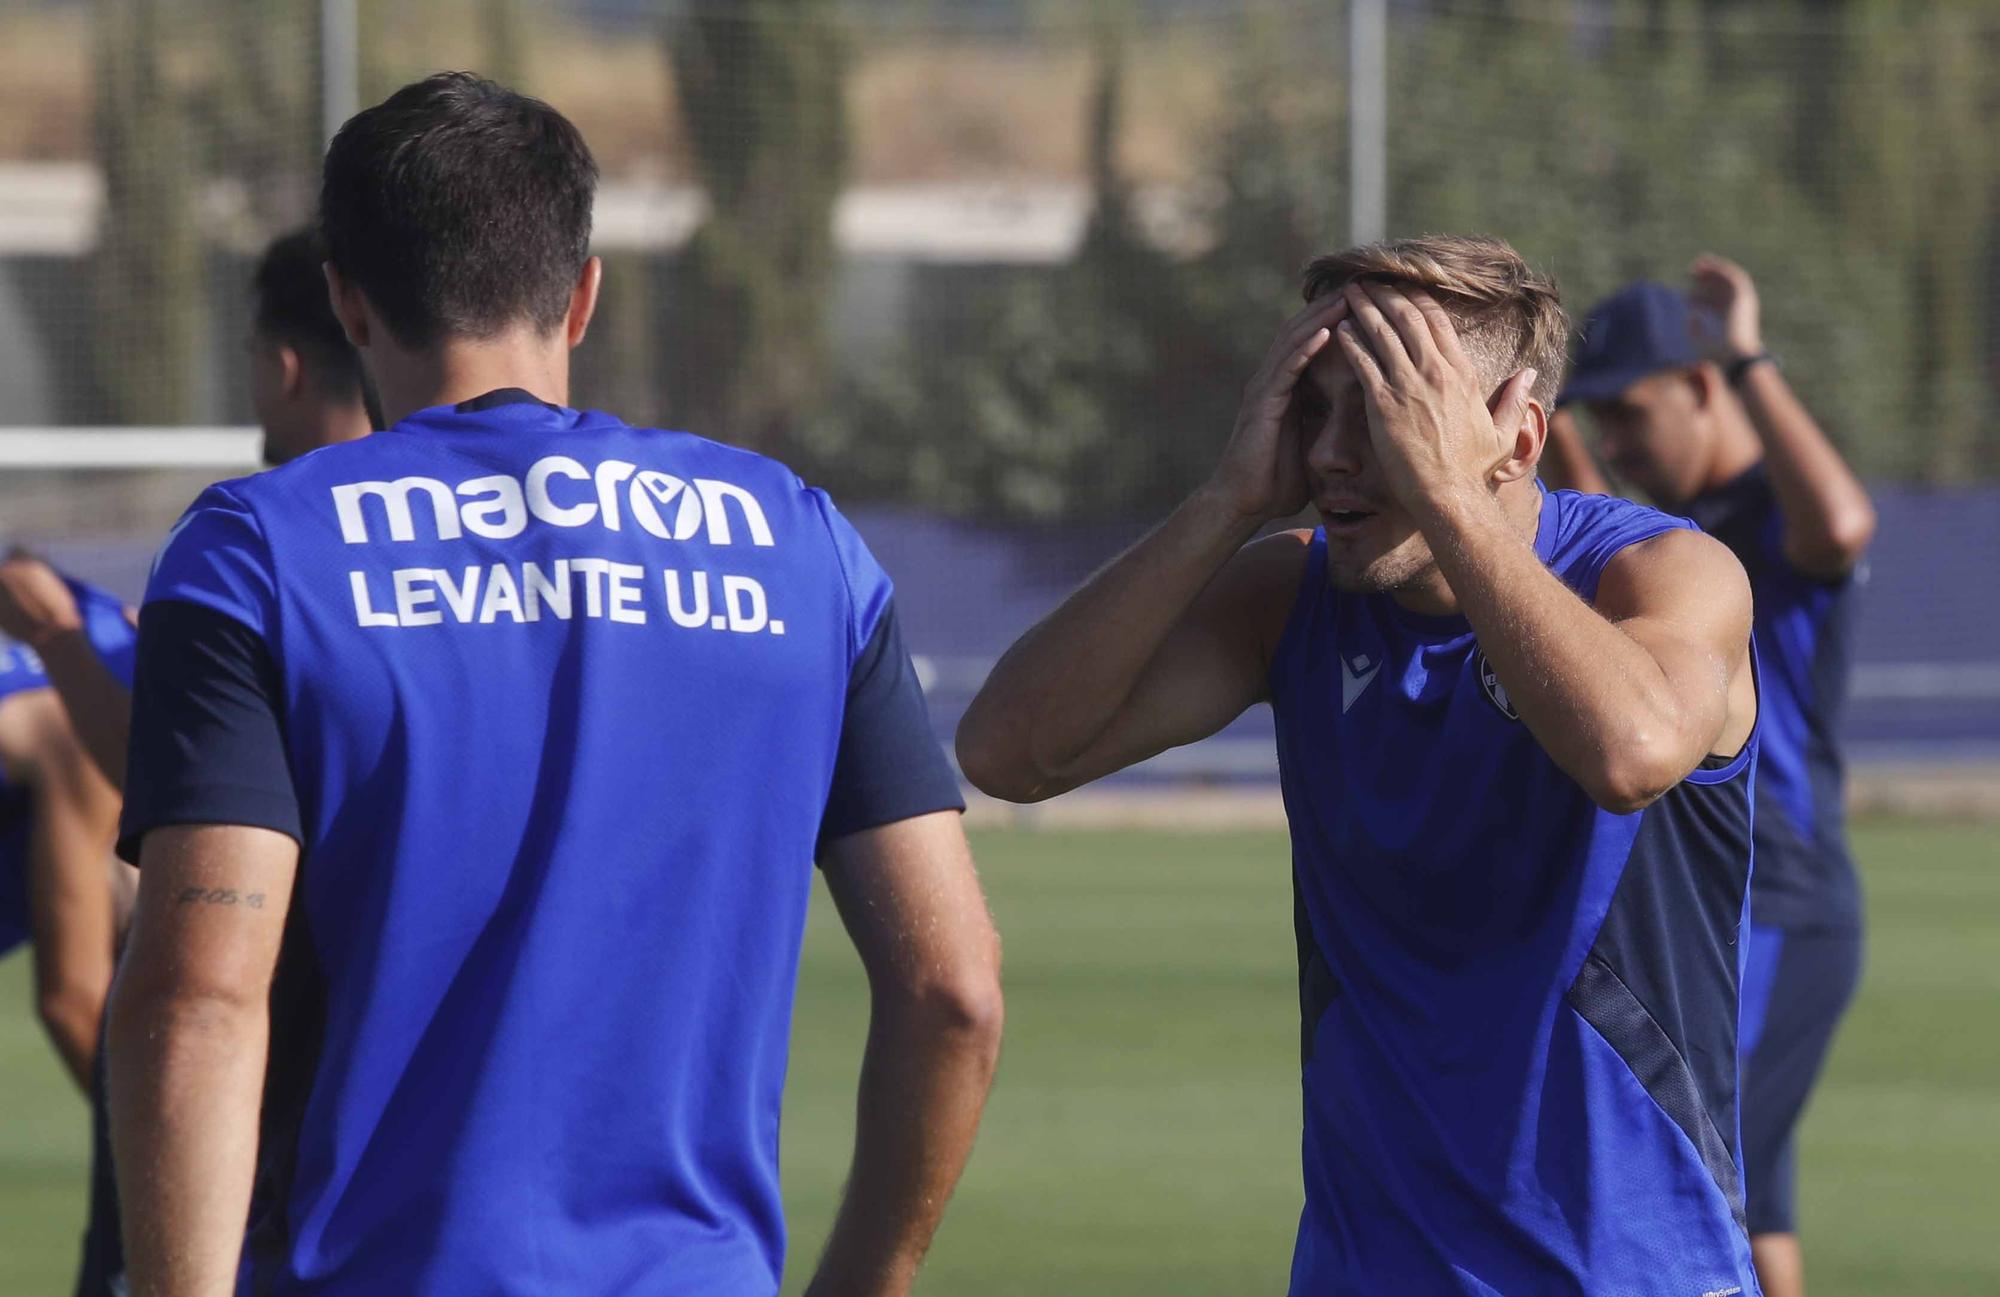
305,380
1690,408
308,391
478,769
1515,736
60,887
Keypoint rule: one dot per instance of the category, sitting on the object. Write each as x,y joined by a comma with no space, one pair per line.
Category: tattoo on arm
220,896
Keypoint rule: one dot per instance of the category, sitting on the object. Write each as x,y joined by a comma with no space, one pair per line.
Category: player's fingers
1392,358
1303,354
1443,332
1510,404
1367,370
1319,317
1411,328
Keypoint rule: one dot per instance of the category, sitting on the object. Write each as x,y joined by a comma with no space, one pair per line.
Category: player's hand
1428,419
35,603
1727,318
1262,474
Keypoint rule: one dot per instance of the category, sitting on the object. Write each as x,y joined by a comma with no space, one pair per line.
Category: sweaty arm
1172,641
910,900
71,902
211,816
1626,696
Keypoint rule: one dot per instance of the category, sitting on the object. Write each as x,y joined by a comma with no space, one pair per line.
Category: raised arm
1828,517
37,608
1627,697
189,1031
71,900
911,902
1172,640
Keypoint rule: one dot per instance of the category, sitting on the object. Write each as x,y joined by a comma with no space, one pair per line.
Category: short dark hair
459,208
293,308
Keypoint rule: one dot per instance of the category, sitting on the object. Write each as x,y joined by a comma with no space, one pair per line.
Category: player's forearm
924,1080
1052,694
71,1017
1592,696
1829,518
186,1077
99,707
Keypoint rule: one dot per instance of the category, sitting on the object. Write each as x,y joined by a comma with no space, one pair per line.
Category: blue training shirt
562,710
1519,1009
115,641
1805,628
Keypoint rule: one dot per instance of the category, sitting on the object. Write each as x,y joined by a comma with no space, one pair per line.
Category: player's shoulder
1682,567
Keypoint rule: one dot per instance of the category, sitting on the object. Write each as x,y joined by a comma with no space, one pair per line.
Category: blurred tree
761,90
147,272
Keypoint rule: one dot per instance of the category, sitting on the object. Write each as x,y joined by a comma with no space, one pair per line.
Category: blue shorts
1796,986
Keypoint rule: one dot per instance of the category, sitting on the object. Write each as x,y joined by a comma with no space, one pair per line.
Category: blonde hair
1508,315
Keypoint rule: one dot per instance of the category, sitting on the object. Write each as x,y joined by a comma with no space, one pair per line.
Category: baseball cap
1639,330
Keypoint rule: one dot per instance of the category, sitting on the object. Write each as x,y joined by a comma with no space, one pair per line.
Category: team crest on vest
1496,693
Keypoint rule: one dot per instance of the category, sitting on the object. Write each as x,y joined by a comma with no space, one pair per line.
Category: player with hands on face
1515,734
1689,406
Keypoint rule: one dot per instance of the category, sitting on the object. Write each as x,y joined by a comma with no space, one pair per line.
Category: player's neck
1737,451
460,369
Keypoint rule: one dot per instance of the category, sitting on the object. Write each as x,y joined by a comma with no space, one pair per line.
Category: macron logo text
556,490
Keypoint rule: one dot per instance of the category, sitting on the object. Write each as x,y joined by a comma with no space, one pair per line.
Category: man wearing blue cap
1690,408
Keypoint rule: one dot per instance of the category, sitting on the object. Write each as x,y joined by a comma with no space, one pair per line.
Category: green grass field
1143,1136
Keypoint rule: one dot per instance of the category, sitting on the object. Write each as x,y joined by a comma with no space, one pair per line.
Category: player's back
1520,1025
561,702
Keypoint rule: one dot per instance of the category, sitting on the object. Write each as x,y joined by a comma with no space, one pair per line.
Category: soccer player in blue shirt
308,391
1515,735
60,888
1690,408
478,770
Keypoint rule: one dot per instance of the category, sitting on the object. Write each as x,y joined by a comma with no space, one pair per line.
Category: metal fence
1001,266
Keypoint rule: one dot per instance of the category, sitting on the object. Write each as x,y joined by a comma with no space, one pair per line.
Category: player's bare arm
37,608
911,902
1172,640
71,903
1829,518
1627,697
189,1031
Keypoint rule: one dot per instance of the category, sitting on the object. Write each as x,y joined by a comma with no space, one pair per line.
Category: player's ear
348,306
291,371
583,299
1707,383
1523,425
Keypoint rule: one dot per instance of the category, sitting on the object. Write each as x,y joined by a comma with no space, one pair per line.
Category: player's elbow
69,1013
1835,547
959,1004
1631,777
993,765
